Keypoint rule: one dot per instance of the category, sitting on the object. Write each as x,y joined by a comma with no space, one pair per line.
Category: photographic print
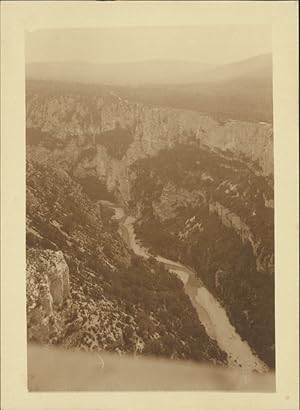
149,205
150,209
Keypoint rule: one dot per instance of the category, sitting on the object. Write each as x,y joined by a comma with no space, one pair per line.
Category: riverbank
210,313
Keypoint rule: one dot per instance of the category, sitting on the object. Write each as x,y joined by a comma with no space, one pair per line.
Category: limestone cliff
78,121
213,214
48,290
86,289
264,260
202,191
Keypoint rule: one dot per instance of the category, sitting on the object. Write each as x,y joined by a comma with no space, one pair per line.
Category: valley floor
210,313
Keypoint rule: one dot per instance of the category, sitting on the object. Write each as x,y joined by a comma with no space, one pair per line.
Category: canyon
209,311
200,190
151,129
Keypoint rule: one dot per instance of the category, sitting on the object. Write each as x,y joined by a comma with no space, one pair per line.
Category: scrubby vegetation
116,141
243,102
119,302
204,207
95,189
227,181
173,191
36,136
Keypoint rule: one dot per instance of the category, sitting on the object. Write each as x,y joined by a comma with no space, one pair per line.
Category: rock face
76,121
264,263
202,191
191,177
85,289
58,277
173,197
213,213
48,288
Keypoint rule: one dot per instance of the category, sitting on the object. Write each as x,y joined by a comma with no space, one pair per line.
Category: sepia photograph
150,205
149,220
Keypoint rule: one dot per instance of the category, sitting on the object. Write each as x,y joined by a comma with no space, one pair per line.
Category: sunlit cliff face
78,125
103,136
206,184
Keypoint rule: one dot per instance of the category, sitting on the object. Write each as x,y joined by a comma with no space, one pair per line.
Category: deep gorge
202,192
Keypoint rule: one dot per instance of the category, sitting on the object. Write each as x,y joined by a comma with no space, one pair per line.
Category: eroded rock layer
201,190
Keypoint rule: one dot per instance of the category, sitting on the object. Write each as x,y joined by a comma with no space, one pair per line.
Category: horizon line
147,60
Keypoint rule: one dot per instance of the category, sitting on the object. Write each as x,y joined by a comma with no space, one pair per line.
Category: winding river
210,313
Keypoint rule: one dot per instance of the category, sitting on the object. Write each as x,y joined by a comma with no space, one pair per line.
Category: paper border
19,16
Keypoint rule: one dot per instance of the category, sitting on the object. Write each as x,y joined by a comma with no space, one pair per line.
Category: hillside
201,188
240,91
215,215
85,289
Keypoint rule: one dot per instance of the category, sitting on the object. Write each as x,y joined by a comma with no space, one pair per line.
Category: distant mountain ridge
260,67
127,73
150,71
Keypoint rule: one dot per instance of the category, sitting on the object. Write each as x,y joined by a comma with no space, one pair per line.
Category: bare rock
58,276
47,288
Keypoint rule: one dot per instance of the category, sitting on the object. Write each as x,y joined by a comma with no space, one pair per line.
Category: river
210,313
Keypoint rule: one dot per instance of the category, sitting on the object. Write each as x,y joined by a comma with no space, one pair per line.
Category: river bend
210,313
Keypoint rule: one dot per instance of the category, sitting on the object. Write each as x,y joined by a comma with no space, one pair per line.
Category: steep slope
85,289
214,214
203,191
240,90
259,67
96,133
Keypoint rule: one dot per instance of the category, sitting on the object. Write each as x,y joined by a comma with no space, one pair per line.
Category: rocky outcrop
231,220
223,168
209,212
238,205
48,289
76,120
85,289
58,277
57,314
173,197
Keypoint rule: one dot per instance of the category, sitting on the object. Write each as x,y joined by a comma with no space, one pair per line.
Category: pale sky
213,44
